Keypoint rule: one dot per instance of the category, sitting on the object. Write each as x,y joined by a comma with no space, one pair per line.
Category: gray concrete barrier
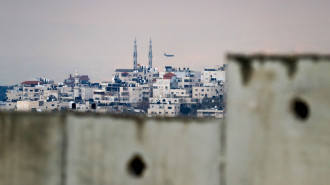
278,120
98,149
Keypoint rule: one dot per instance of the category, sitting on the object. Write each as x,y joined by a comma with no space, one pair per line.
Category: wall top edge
136,118
272,57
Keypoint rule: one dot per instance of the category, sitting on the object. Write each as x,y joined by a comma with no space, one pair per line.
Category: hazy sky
50,39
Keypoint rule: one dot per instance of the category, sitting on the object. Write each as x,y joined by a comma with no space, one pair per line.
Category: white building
40,106
163,86
86,93
213,75
164,110
209,113
207,91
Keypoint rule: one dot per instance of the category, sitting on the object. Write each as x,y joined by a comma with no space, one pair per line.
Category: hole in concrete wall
136,166
300,108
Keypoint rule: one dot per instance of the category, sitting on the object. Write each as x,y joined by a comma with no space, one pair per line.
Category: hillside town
142,90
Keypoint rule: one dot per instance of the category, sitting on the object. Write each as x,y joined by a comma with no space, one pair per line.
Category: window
125,94
169,107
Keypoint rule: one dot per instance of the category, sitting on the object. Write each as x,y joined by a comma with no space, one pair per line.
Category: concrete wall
278,120
276,132
76,149
32,149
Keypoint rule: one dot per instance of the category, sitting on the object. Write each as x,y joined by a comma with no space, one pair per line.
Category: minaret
135,56
76,85
150,54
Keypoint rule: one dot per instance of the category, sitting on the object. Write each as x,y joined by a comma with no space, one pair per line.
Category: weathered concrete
97,149
31,149
268,142
174,152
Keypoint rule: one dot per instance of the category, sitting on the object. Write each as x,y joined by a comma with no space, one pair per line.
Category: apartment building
37,106
181,93
130,94
164,110
134,93
207,91
212,75
14,94
162,86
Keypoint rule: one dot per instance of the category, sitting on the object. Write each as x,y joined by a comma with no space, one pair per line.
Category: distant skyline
52,38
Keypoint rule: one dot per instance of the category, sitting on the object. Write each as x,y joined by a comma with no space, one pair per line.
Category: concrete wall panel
173,152
31,149
272,140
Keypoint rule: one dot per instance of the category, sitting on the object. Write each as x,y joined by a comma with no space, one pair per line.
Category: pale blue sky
51,38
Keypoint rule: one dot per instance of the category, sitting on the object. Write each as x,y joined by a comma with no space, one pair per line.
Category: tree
189,109
214,102
185,110
144,105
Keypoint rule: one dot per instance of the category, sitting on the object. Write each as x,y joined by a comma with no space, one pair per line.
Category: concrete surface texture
276,131
70,149
278,120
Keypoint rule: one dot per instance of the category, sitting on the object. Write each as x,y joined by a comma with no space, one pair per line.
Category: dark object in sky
168,55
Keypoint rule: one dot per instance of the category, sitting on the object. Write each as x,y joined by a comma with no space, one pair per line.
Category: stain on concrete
245,66
289,61
139,122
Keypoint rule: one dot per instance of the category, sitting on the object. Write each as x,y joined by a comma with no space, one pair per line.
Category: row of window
35,90
207,90
165,113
